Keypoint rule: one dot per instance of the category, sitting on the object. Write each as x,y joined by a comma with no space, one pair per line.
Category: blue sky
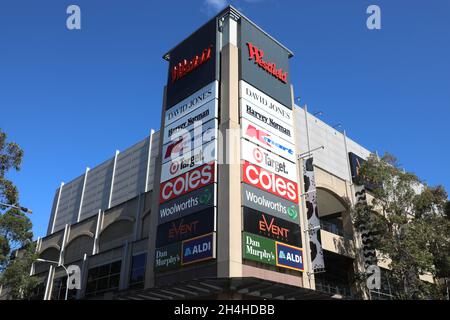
71,98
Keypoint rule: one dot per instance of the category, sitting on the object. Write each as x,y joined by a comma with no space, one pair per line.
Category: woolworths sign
268,203
192,202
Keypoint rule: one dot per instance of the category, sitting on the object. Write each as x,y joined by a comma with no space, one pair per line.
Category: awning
205,288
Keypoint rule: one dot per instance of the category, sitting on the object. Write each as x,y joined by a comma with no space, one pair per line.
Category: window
103,278
137,274
59,290
38,292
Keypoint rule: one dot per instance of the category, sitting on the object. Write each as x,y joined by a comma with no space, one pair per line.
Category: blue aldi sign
198,249
289,256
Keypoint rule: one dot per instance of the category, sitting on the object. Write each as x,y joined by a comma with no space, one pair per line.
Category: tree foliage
411,225
15,226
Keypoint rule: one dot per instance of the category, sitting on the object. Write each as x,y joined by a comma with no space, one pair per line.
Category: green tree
410,225
15,227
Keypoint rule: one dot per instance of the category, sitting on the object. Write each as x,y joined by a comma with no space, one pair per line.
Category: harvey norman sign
203,114
266,121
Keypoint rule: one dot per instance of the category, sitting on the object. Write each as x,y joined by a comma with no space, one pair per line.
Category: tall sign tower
226,199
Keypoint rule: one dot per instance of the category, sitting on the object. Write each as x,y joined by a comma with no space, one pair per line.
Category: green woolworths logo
204,198
292,213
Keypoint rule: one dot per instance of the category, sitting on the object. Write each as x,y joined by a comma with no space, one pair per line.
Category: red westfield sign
186,66
270,182
187,182
257,54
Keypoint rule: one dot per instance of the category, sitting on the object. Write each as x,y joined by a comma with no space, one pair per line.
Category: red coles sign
268,181
257,54
187,182
186,66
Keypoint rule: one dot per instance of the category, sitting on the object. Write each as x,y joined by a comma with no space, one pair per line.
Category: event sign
187,227
268,226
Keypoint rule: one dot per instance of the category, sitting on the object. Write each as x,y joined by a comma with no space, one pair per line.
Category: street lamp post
15,206
59,265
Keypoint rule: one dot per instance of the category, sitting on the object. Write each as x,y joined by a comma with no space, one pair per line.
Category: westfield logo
272,228
257,55
187,66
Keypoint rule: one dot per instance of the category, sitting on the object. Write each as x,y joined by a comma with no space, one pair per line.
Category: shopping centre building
240,194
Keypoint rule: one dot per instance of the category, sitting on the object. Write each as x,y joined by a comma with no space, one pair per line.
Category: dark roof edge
233,10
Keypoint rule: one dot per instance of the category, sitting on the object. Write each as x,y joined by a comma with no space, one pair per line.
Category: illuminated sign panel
265,139
168,257
192,202
192,102
185,143
191,160
268,160
270,182
289,257
186,228
193,64
264,63
266,121
268,203
258,249
268,226
256,54
198,249
265,102
187,182
183,125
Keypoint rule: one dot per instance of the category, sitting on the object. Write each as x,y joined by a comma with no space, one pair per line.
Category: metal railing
334,229
334,288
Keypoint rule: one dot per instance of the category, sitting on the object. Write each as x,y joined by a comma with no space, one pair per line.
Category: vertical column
229,226
112,179
149,272
84,271
125,266
82,194
308,281
49,284
98,227
63,244
52,229
149,156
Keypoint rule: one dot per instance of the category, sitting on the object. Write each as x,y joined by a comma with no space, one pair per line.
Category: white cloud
214,6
